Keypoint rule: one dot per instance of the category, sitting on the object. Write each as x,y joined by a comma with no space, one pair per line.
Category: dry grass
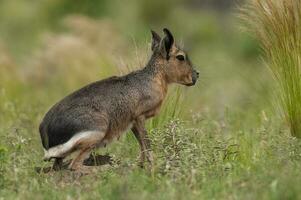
276,24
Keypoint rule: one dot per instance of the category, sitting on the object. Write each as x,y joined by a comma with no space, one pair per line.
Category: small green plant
277,25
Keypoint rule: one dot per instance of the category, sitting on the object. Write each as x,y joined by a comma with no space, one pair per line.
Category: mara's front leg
144,142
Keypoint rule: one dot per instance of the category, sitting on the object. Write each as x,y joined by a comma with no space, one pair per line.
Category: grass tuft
276,24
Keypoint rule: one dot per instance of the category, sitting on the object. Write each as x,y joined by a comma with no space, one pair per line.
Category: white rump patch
62,149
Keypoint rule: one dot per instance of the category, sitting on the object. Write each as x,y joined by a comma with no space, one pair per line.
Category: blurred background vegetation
227,142
71,43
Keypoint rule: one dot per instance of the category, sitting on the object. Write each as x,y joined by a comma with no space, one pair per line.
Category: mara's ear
155,40
166,43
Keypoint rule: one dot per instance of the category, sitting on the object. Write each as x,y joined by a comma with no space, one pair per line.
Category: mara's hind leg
58,164
77,163
84,145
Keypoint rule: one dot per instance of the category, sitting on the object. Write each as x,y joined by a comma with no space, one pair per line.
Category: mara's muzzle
194,77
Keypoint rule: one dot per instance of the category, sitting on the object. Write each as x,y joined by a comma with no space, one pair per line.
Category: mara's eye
180,57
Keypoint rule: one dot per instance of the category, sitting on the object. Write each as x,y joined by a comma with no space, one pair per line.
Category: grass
201,158
276,24
217,140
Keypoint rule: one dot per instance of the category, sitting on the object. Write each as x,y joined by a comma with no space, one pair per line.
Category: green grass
201,158
276,24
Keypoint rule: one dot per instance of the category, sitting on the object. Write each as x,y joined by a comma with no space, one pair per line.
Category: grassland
218,140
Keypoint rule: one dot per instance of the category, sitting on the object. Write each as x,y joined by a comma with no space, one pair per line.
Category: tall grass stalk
277,25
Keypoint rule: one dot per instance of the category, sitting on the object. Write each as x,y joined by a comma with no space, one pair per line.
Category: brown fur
111,106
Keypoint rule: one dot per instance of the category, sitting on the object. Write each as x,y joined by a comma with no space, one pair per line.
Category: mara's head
175,61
